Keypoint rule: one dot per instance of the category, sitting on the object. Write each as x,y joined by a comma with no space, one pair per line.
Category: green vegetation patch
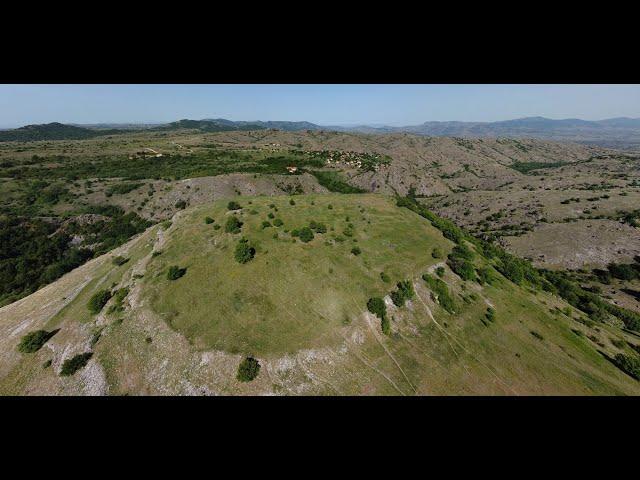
72,365
33,341
248,369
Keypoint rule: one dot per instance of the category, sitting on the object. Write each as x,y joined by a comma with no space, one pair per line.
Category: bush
356,251
72,365
491,314
175,272
628,364
441,291
248,369
622,271
265,224
244,252
384,277
462,251
440,271
292,202
306,235
98,300
233,225
318,227
278,223
119,260
462,268
181,204
233,205
403,293
437,253
385,325
33,341
377,306
208,220
485,275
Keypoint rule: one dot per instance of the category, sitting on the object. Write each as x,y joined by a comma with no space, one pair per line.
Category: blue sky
322,104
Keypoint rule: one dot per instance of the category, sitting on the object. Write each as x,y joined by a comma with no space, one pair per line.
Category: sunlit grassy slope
292,295
300,309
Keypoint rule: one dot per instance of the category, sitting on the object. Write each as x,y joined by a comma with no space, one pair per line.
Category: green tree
244,252
33,341
306,234
248,369
233,225
98,300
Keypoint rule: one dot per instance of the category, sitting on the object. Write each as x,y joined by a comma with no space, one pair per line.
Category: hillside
52,131
623,133
196,310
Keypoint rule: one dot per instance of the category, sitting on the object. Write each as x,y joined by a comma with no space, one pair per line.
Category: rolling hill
279,296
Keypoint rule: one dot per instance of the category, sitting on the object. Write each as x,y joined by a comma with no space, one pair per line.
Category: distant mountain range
619,132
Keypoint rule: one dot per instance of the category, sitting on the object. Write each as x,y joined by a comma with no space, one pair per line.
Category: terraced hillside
278,296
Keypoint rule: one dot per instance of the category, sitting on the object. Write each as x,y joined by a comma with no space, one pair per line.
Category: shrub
440,271
244,252
72,365
175,272
119,260
208,220
233,225
98,300
271,215
485,275
440,289
491,314
377,306
537,335
33,341
306,235
248,369
462,251
278,223
622,271
628,364
437,253
181,204
403,293
384,277
292,201
295,232
318,227
462,268
385,325
356,251
265,224
233,205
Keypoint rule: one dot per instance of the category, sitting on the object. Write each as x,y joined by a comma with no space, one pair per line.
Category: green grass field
292,295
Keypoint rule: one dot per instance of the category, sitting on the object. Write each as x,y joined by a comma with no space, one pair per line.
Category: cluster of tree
521,271
122,188
33,254
333,182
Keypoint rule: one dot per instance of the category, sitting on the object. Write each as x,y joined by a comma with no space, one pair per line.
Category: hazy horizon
328,104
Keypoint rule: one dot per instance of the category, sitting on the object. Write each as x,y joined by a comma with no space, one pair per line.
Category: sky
326,104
